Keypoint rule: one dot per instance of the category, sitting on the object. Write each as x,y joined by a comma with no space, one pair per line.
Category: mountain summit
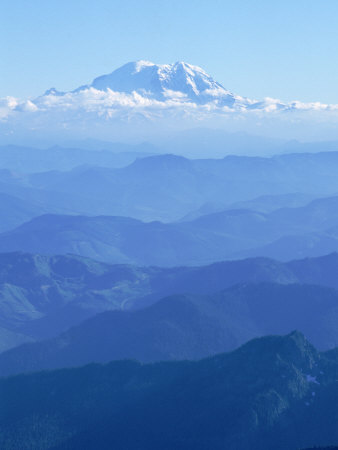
139,94
148,86
179,81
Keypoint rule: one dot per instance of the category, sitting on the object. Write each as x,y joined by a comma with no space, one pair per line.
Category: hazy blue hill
157,165
309,231
120,240
284,234
269,203
31,160
262,204
110,239
199,142
216,143
322,270
155,188
187,327
35,286
320,214
168,187
18,185
10,339
288,247
42,296
14,211
274,392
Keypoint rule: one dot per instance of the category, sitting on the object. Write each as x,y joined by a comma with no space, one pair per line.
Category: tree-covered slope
42,296
187,327
274,392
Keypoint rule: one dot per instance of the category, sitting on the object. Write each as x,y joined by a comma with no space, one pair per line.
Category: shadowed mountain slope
42,296
187,327
274,392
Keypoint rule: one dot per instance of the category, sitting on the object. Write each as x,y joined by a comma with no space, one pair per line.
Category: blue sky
284,49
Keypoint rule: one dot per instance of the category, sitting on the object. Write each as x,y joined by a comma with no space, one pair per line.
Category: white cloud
7,105
91,109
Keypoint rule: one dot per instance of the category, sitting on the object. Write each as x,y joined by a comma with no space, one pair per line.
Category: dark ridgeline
273,393
330,447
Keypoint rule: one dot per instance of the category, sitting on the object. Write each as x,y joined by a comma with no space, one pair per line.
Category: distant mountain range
33,160
285,233
273,393
167,210
168,187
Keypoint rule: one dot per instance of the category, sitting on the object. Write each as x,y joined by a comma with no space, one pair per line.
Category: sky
259,48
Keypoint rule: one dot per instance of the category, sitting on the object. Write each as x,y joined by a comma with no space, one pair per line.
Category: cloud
92,99
97,113
109,103
7,105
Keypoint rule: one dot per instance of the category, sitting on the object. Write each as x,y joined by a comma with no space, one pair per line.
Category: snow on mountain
180,81
141,91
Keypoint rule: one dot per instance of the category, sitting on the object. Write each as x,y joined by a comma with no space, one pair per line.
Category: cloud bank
143,92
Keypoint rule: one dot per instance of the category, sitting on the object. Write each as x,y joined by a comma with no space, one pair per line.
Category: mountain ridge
186,327
273,392
225,235
49,294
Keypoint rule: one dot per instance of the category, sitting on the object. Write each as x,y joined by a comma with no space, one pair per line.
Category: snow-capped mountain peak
179,81
146,93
